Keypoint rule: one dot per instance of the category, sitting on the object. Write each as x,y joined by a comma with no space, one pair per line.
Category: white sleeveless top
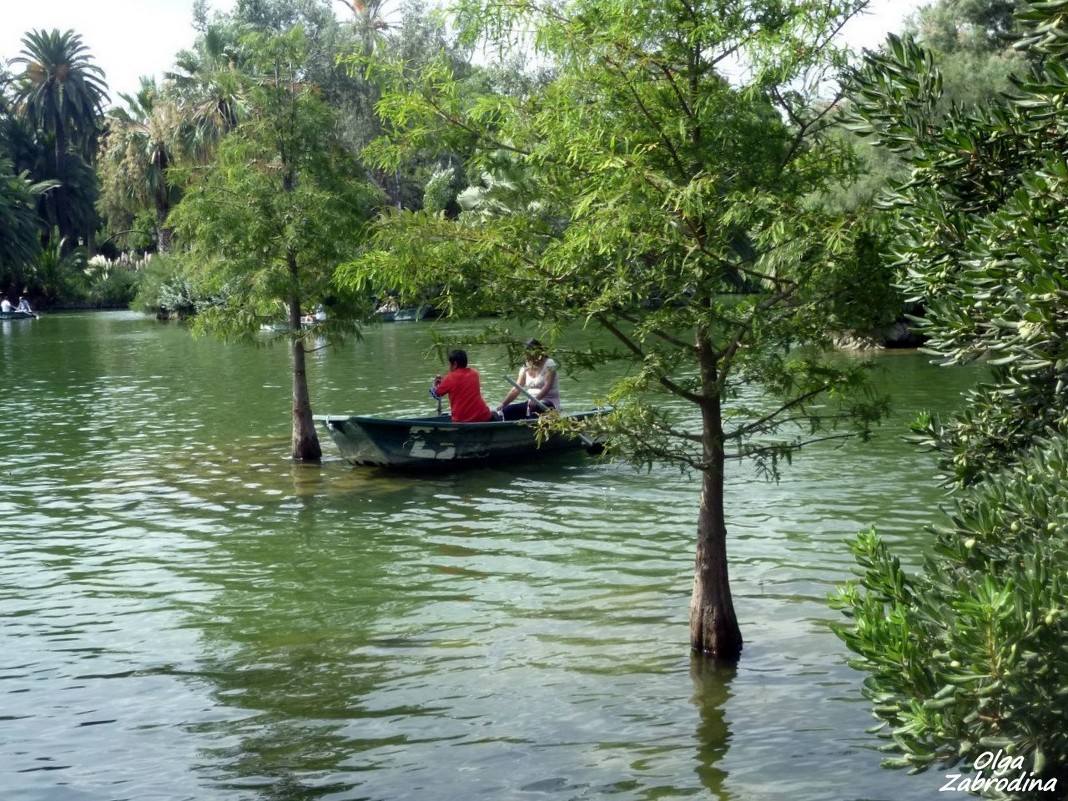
535,381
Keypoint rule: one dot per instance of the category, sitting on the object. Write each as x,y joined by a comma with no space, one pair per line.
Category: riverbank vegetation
966,655
679,175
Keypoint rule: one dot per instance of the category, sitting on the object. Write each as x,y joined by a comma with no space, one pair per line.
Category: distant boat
392,313
284,328
411,313
387,312
306,322
18,315
438,443
407,314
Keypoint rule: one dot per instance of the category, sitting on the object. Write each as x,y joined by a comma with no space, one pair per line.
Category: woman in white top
538,376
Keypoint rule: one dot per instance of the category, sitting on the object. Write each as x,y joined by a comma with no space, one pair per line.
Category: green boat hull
439,443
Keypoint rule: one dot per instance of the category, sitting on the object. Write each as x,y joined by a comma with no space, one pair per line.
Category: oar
592,448
436,397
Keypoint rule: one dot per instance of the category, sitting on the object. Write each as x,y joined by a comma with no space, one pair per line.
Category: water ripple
185,614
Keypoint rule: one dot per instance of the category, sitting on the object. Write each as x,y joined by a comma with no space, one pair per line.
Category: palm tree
60,93
370,21
20,240
59,268
207,81
139,148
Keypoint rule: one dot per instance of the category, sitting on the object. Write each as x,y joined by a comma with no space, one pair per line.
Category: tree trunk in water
305,441
713,623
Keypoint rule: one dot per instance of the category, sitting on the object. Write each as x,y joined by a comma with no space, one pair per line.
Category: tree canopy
664,198
279,207
60,93
60,90
20,242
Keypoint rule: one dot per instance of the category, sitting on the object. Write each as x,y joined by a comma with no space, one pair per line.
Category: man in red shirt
464,391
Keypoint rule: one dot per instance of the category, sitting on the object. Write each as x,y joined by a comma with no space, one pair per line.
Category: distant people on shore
464,389
539,377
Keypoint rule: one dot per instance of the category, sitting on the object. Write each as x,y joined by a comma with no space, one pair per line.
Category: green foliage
860,294
968,655
982,232
969,26
281,205
167,289
439,196
266,223
1043,29
141,236
60,94
408,43
19,227
110,284
972,80
971,42
59,271
328,39
144,138
60,90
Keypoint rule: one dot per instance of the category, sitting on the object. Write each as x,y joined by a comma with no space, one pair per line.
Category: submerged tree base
713,636
714,629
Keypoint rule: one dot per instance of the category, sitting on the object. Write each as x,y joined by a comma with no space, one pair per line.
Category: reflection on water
187,614
711,692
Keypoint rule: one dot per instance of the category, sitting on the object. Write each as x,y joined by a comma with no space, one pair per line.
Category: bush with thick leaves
971,653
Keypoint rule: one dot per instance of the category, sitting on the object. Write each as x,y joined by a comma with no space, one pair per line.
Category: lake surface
186,614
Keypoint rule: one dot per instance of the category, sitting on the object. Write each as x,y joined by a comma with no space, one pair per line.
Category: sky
125,38
131,38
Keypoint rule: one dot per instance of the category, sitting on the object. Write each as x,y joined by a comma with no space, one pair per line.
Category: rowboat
437,442
410,314
406,314
18,315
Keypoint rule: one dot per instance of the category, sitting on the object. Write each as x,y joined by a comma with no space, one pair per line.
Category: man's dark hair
459,358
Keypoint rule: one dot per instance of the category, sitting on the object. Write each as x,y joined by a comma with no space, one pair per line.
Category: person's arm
513,393
549,371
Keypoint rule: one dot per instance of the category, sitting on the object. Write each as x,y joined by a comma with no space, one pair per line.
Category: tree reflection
298,645
711,691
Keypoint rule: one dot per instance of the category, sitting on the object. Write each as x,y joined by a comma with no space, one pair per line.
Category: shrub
166,290
971,654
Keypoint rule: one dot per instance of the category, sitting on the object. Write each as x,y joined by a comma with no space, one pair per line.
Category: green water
186,614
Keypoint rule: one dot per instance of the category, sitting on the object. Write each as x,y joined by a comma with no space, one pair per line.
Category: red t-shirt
465,396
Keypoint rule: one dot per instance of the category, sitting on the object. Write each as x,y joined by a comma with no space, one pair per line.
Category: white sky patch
131,38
